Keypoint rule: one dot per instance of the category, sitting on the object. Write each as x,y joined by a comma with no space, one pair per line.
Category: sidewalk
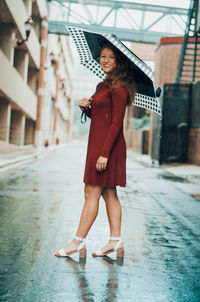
185,176
12,157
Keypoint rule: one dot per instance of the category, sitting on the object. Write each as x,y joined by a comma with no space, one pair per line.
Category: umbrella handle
83,116
158,92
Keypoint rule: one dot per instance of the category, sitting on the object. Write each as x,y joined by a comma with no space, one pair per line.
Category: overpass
130,21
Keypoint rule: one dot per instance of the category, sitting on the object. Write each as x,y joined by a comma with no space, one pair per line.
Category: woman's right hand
84,103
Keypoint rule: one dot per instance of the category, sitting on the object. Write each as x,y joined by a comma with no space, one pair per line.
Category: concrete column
7,40
5,111
28,5
41,82
69,119
21,60
17,127
56,98
151,132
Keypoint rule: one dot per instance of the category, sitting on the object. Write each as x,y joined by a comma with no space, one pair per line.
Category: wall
167,55
166,60
56,115
19,67
194,132
146,52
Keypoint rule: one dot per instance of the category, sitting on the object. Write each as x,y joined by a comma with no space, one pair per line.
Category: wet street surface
40,208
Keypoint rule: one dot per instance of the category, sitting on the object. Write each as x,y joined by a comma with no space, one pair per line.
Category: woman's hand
84,103
101,163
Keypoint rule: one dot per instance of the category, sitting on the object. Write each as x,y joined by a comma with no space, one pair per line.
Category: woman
106,155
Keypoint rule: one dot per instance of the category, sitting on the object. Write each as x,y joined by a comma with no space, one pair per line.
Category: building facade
137,120
57,111
31,111
167,57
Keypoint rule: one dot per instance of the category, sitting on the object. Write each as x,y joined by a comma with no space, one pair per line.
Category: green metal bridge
130,21
135,22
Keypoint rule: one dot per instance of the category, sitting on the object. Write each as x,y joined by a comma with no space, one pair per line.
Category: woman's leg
88,215
114,212
90,209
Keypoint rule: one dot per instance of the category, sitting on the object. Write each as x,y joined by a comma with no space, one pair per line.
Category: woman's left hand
101,163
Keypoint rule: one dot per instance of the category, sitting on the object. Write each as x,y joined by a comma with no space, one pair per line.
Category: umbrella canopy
89,45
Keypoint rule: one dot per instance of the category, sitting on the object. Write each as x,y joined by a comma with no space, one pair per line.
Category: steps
189,62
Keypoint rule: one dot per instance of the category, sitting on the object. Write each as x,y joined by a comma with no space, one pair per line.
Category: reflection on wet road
40,208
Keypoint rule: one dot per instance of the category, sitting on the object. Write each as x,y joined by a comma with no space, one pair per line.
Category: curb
144,159
17,160
14,163
186,182
21,160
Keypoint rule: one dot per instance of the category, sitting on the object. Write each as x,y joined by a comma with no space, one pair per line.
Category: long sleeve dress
106,137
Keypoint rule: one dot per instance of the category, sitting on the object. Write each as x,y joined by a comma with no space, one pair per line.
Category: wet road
40,207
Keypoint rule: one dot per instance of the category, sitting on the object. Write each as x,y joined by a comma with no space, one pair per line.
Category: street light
28,26
53,60
62,84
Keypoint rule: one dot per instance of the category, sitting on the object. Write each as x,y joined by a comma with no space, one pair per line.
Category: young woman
106,155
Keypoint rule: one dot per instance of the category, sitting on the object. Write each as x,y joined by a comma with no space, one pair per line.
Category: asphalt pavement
40,207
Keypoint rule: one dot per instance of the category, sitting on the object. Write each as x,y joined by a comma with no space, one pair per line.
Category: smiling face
107,60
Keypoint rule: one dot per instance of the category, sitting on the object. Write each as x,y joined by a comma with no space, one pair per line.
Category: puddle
173,178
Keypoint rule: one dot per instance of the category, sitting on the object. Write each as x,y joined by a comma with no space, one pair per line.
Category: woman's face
107,60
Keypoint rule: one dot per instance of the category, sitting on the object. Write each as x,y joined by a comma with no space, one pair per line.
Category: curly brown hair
121,74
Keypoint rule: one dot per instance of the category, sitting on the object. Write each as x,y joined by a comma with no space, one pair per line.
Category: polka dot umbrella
89,45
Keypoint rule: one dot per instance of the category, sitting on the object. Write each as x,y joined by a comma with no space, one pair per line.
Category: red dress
106,137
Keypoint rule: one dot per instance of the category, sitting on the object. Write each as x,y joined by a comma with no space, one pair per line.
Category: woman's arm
84,103
119,101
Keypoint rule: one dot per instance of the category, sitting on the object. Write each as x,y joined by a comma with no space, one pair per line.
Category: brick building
138,139
167,55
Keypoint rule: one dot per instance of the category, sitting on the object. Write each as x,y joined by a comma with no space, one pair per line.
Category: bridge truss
130,21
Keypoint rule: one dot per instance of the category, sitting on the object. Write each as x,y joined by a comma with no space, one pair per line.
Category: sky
174,3
173,24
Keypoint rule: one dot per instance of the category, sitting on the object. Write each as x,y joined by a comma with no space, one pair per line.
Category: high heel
120,253
82,253
81,249
119,250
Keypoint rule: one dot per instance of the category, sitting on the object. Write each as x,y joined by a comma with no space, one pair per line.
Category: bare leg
90,209
88,215
114,212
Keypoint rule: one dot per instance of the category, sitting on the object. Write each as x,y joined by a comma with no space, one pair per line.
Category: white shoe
81,249
119,250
